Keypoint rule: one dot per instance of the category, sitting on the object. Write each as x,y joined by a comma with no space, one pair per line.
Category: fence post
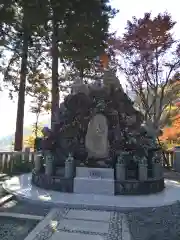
176,164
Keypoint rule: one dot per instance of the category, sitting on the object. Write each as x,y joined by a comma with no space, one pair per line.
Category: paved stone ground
144,224
86,224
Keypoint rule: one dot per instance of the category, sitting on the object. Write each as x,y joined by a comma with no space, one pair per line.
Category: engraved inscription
95,174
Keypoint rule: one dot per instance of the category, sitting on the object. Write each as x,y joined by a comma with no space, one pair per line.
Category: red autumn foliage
173,132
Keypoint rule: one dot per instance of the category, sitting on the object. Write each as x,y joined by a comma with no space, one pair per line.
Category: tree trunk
165,160
81,73
55,80
21,95
36,125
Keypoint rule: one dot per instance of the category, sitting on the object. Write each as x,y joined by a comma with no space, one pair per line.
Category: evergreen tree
74,32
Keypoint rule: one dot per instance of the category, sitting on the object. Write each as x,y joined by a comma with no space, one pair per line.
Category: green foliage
91,21
40,32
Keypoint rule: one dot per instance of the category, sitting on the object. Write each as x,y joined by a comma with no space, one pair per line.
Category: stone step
68,224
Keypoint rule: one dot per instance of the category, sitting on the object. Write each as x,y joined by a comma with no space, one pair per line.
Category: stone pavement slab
75,236
89,215
84,226
66,224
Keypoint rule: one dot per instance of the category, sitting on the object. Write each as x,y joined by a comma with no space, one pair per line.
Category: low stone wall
134,187
55,183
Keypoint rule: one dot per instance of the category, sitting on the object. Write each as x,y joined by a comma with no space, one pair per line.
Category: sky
127,9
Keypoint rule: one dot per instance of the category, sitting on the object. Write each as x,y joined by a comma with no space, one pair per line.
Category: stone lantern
157,167
120,168
38,162
49,163
69,166
143,170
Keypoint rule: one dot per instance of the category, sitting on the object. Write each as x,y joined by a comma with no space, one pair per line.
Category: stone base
94,186
134,187
56,183
21,187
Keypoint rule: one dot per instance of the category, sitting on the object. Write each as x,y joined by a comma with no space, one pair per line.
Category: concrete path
68,224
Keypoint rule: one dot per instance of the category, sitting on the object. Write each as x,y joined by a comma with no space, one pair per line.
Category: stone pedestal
37,162
69,167
143,170
157,170
49,165
120,172
120,169
94,181
176,164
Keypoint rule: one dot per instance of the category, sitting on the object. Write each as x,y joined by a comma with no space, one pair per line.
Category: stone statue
96,140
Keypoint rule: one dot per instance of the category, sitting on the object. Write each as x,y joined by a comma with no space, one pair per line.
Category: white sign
85,172
94,181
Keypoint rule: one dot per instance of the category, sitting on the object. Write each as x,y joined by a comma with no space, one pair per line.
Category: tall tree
52,23
168,109
171,134
80,30
149,57
24,25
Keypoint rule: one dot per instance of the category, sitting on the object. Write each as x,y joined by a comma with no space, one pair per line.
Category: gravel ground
15,229
162,223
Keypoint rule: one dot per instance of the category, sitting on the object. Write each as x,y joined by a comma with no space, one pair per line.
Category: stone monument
96,140
100,144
